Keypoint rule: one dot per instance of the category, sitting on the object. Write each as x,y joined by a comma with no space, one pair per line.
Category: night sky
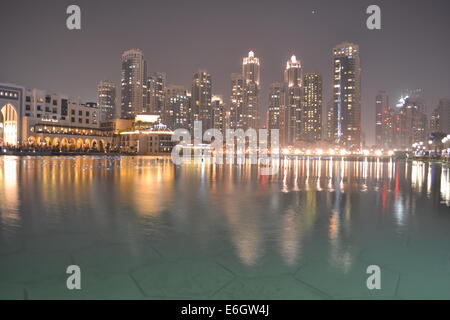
178,37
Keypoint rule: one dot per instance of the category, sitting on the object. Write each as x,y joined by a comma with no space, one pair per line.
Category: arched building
31,117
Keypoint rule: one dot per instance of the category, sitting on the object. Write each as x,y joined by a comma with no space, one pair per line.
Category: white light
319,152
378,153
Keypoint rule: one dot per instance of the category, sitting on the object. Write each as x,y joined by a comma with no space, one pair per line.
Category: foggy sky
179,37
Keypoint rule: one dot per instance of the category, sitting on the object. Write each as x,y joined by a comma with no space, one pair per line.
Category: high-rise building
292,113
410,125
106,93
330,123
156,84
236,120
347,95
218,113
201,98
175,113
440,121
383,121
275,107
251,77
133,85
311,119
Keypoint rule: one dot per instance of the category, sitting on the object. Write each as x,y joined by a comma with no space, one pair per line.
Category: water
141,228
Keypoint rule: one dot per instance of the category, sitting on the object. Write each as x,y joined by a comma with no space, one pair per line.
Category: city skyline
391,59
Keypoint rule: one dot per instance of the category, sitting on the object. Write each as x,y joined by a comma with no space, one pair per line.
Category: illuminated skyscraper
133,84
347,95
201,99
156,84
291,115
383,121
218,113
275,93
176,107
251,77
441,117
236,120
311,119
106,93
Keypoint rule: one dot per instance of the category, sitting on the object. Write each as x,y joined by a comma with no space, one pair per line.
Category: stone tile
12,292
267,288
28,266
269,264
93,286
118,258
342,283
192,279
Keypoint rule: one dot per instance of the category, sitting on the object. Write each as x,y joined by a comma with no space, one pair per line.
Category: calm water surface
142,228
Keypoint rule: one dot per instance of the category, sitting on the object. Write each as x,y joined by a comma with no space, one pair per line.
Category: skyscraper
275,107
133,86
106,93
251,77
347,95
218,113
175,113
236,120
311,119
201,98
156,85
292,114
383,121
410,125
441,117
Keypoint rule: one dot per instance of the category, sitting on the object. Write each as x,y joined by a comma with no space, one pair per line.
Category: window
55,110
55,103
28,107
28,99
48,99
87,120
72,119
87,113
80,113
47,109
80,120
39,108
73,112
38,115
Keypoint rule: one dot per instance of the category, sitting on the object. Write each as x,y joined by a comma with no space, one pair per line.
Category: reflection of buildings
35,117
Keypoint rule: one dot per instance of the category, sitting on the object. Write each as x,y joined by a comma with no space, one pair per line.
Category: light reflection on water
331,204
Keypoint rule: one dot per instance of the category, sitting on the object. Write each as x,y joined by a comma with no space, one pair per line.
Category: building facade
201,96
384,130
311,119
236,120
133,84
38,119
107,98
251,78
176,108
292,103
347,95
156,86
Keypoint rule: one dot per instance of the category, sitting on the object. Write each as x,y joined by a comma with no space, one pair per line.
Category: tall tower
251,78
292,115
347,95
106,94
176,107
311,125
156,85
201,98
383,121
133,83
236,120
218,113
275,93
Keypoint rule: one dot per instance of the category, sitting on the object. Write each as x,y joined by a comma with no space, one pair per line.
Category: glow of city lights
366,152
319,152
343,152
378,153
285,151
390,153
331,152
